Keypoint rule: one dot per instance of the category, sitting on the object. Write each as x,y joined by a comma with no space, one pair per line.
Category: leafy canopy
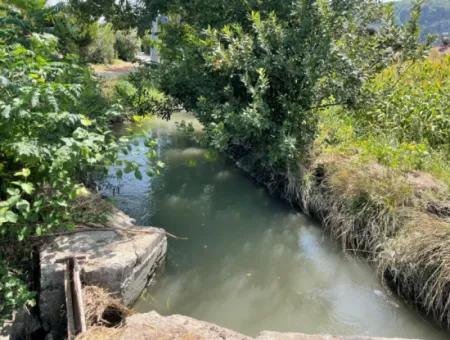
256,74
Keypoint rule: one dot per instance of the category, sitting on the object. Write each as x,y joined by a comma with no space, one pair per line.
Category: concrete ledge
152,326
121,263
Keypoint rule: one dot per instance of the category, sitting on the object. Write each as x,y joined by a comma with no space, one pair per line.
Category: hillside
435,17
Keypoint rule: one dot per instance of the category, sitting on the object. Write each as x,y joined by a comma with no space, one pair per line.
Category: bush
13,292
74,35
128,44
139,95
343,134
412,106
101,49
54,133
124,91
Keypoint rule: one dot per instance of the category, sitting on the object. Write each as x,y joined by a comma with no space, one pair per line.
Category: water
252,263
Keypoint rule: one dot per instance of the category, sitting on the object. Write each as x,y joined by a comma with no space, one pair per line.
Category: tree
121,14
128,44
255,78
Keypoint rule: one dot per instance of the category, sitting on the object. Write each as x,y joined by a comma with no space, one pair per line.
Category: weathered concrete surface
152,326
121,263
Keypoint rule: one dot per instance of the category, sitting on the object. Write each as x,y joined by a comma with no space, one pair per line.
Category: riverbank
397,220
394,220
388,204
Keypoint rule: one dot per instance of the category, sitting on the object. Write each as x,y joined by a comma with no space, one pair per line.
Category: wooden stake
78,305
69,303
76,319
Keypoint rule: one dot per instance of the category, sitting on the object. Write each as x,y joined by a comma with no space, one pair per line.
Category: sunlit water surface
251,262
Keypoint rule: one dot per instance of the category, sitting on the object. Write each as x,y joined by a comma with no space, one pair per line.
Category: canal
250,262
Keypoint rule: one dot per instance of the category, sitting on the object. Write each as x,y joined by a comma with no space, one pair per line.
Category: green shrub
342,135
101,49
128,44
55,137
49,138
124,91
256,82
74,35
14,292
139,95
412,106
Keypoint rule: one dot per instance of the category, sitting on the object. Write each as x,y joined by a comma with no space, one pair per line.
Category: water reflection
252,263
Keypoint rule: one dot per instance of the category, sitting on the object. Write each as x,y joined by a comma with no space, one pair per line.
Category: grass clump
397,216
360,203
416,264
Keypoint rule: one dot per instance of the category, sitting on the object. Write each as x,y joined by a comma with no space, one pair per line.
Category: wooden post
80,317
69,303
76,319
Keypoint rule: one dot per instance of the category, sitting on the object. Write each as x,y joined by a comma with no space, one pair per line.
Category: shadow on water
252,263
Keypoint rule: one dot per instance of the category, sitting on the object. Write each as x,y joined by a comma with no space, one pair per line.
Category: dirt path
119,67
113,71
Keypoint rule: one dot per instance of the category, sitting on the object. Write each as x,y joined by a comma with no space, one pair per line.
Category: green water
251,262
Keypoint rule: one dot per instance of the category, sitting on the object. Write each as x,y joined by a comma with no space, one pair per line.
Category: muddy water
251,263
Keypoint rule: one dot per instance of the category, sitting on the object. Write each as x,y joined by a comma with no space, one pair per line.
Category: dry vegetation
398,220
102,309
105,315
416,264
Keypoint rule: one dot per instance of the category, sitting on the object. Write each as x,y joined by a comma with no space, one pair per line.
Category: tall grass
379,180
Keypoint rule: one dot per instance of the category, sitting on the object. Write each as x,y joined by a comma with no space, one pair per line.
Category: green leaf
4,81
27,188
23,206
10,217
81,192
25,172
13,191
35,99
85,121
129,167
